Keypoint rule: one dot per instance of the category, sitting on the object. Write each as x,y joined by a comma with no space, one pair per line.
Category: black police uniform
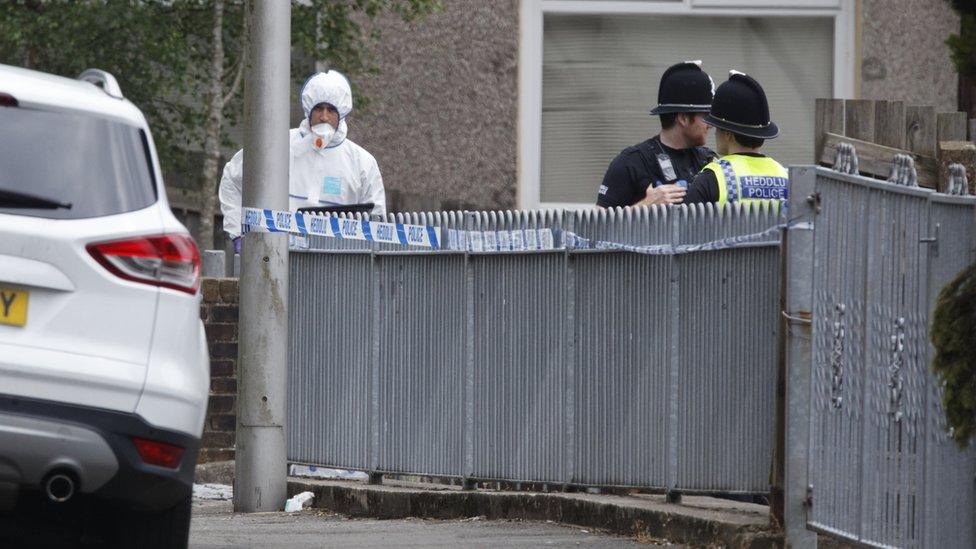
636,167
684,87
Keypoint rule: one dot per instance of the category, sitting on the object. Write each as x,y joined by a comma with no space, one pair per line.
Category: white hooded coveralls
340,173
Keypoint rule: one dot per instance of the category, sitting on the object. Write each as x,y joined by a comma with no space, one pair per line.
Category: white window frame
530,60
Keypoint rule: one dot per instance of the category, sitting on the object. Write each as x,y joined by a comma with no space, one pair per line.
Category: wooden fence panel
859,120
829,117
889,124
920,134
951,126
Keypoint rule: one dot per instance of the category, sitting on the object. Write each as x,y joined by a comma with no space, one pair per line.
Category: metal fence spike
845,159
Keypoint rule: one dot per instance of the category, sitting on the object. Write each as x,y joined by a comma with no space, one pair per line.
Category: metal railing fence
565,366
882,470
589,366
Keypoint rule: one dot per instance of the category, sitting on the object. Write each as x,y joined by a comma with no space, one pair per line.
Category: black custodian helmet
740,107
685,87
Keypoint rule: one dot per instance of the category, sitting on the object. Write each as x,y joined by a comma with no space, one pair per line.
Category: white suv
104,369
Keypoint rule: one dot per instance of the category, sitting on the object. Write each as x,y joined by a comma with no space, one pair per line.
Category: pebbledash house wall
443,115
903,53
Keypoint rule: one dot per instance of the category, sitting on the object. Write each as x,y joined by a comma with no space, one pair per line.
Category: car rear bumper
38,436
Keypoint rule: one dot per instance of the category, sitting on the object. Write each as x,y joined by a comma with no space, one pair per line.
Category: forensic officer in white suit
325,169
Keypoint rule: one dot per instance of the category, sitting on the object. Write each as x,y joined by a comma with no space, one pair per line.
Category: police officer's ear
687,119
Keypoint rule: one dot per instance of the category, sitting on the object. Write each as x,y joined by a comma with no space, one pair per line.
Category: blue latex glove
237,245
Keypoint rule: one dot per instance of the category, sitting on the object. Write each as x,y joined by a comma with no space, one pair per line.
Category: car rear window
100,166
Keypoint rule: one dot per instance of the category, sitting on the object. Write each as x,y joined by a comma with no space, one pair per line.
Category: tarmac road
215,525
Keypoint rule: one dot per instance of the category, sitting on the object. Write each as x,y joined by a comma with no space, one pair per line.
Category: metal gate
881,468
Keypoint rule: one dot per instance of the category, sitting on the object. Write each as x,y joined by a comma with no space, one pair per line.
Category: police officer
740,115
658,170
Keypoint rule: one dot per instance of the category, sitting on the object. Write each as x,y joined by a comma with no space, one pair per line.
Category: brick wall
219,313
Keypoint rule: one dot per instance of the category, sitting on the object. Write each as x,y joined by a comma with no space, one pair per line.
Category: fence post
467,468
798,247
568,222
673,495
214,265
374,375
779,402
926,305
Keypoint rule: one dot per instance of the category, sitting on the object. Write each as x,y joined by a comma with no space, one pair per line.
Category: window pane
98,165
601,74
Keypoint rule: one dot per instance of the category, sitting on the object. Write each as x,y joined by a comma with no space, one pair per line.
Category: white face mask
321,135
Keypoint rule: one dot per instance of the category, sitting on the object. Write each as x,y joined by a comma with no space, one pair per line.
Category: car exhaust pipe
59,487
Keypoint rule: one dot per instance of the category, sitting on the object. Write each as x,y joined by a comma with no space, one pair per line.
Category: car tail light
7,100
169,261
158,453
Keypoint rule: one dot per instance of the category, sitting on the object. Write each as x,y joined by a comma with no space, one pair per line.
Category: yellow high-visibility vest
750,179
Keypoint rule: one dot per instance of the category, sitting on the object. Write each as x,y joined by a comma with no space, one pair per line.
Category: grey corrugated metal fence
575,366
597,367
882,470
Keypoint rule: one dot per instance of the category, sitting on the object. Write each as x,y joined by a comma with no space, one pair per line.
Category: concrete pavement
697,520
412,502
216,526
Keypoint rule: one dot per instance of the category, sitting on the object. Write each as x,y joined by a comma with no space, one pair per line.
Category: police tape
516,240
427,236
574,241
277,221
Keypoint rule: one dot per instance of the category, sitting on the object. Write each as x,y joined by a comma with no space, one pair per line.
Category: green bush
962,46
954,337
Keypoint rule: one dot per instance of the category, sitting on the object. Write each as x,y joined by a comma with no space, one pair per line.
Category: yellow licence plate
13,306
